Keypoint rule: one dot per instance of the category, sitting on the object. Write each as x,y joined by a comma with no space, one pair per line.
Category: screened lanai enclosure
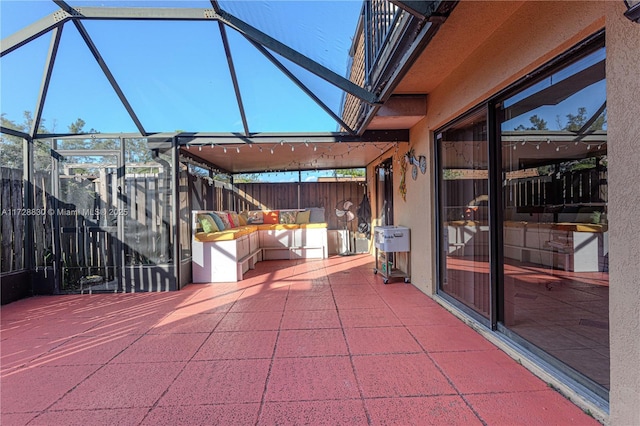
119,119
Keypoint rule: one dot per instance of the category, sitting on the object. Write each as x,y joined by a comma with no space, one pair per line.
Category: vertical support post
121,205
299,180
175,210
496,258
55,220
28,201
441,244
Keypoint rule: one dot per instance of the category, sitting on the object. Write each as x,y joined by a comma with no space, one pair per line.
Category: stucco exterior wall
417,211
527,39
623,104
530,37
534,37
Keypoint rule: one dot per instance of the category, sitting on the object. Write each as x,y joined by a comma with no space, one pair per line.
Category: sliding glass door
555,237
464,211
538,270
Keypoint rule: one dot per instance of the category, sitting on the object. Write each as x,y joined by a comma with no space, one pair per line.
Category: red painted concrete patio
315,342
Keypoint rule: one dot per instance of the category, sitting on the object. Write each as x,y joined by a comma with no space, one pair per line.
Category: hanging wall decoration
419,163
403,184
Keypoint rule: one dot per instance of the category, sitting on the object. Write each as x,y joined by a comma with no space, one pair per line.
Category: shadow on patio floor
315,342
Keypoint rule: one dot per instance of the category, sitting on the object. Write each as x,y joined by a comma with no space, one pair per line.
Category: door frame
57,156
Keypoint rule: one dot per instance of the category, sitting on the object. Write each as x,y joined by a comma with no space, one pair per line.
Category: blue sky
175,74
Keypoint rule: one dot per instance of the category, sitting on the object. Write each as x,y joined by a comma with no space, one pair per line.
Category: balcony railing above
389,33
381,18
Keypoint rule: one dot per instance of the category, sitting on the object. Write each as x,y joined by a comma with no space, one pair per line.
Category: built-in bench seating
225,245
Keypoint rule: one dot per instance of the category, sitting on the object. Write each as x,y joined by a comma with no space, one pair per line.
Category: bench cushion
226,235
277,226
312,225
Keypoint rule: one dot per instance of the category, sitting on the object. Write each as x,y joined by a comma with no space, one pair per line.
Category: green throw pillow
207,223
303,217
217,220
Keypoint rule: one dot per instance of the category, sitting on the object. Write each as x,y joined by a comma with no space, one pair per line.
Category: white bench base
228,261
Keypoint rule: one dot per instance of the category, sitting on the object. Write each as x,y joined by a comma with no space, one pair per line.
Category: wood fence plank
8,204
18,221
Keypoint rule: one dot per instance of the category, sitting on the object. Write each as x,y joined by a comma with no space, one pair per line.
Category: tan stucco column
623,103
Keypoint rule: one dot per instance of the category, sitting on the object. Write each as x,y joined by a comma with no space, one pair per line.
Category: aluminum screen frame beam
46,24
107,72
59,18
33,31
194,14
232,69
372,136
234,77
297,58
300,84
46,79
16,133
103,66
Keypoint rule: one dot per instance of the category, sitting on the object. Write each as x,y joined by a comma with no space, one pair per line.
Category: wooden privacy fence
88,235
293,195
13,223
12,220
277,196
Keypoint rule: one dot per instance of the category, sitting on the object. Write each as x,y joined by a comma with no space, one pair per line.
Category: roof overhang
400,112
232,153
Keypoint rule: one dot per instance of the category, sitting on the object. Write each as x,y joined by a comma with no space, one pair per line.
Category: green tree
577,121
537,123
349,173
10,146
241,178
